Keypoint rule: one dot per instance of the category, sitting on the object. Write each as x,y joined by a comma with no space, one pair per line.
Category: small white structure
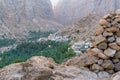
55,37
7,48
80,46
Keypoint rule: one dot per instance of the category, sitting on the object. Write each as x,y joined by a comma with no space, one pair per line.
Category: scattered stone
94,51
100,61
118,34
118,41
83,60
102,46
108,65
117,55
99,31
115,24
102,56
103,22
96,67
111,39
107,34
92,44
99,39
114,46
117,66
117,20
103,74
112,29
107,16
109,52
115,60
110,71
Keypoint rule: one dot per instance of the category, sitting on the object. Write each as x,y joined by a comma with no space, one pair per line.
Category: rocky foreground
41,68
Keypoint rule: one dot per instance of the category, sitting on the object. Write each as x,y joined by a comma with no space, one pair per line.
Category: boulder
108,16
73,73
117,19
102,46
104,75
110,71
100,61
35,68
115,76
103,22
111,39
108,65
115,60
83,60
96,67
117,66
102,56
118,41
99,31
38,68
109,52
94,51
112,29
114,46
106,34
117,55
118,34
99,39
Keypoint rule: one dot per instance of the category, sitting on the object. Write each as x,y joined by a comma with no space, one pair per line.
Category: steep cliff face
17,17
70,10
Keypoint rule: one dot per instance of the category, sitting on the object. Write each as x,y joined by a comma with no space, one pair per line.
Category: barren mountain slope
17,17
70,10
82,29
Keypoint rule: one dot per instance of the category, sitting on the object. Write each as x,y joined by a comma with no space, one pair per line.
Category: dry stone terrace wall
104,51
106,44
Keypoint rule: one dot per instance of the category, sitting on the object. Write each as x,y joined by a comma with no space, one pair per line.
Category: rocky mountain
70,10
18,17
80,30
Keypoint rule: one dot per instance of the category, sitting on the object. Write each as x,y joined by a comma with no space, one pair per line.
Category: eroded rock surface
41,68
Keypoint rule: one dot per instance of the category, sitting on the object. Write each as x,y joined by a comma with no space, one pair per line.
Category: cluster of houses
81,46
78,47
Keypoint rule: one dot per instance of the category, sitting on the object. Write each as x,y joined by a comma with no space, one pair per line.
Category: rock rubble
104,51
106,44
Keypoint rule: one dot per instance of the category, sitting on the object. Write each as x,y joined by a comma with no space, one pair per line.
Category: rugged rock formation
17,17
104,51
41,68
36,68
70,10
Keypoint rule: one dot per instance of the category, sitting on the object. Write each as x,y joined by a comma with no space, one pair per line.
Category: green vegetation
6,42
33,35
57,50
78,31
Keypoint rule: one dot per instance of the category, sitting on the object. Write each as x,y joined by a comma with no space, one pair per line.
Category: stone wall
106,44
